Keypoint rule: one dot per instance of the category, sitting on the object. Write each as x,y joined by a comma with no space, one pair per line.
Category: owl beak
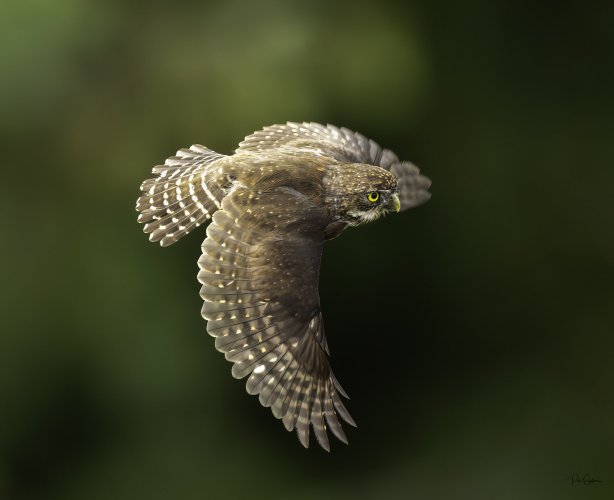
396,204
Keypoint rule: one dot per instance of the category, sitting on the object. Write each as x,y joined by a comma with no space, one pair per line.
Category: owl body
272,204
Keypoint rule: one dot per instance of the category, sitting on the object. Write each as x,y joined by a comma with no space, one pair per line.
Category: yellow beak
396,204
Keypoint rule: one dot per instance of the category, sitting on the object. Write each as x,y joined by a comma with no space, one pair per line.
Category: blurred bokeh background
474,334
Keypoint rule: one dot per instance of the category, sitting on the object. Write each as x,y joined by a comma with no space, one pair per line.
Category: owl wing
259,274
343,145
181,196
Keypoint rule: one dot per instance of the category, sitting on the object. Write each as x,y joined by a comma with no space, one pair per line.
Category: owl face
361,193
369,205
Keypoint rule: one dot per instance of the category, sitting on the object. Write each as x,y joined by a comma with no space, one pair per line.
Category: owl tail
184,194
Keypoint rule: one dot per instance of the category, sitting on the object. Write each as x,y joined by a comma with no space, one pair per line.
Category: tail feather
184,194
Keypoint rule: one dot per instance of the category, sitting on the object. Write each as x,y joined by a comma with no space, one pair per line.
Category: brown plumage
273,203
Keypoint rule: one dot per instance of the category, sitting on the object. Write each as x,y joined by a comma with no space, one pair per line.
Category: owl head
368,193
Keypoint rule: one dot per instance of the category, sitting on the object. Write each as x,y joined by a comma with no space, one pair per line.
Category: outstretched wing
182,195
343,145
259,273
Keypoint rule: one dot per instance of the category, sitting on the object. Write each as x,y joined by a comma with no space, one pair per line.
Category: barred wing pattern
259,275
182,196
343,145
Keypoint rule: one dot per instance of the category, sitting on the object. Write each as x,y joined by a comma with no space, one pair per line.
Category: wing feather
331,418
273,379
286,381
183,195
259,277
292,401
317,418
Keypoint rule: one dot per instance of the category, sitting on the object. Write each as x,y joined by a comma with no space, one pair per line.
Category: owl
272,204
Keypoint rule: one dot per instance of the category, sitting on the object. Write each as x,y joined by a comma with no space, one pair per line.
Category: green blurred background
474,334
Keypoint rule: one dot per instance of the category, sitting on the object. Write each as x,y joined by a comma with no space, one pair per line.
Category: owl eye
373,196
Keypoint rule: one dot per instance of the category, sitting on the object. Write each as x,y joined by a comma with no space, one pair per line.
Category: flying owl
272,204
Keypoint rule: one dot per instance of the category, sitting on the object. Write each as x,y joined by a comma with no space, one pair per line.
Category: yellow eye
373,196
